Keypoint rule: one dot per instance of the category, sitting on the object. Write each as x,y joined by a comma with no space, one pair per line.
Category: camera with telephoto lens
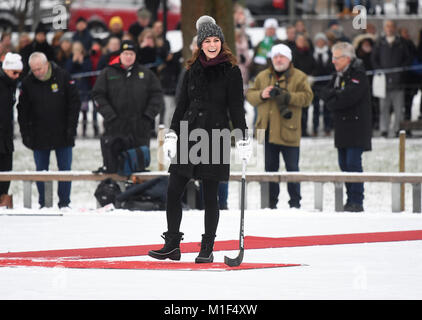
282,98
275,91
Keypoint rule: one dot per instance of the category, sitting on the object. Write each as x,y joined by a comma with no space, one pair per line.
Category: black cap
41,28
81,19
128,45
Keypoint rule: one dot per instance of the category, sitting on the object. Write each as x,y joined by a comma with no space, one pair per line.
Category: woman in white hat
9,73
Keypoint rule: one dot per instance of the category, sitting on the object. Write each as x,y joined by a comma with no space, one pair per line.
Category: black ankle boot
207,246
171,249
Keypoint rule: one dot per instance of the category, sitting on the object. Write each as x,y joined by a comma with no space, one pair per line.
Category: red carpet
141,265
250,243
68,257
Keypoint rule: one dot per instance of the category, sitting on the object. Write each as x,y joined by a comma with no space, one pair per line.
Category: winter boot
6,201
207,246
171,249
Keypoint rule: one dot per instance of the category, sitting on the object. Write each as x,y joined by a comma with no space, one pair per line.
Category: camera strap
280,80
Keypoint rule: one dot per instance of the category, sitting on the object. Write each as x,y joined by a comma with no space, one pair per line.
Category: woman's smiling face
211,47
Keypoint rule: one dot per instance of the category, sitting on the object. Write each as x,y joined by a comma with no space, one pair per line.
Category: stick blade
234,262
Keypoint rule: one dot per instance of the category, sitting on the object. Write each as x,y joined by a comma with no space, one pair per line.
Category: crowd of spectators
83,56
81,53
386,49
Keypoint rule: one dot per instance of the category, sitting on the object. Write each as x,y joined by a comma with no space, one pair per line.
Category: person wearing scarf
347,96
279,93
211,96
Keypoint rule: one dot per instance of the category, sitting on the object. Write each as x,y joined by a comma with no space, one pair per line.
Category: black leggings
176,188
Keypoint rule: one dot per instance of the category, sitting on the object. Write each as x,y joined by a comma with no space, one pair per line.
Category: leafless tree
19,9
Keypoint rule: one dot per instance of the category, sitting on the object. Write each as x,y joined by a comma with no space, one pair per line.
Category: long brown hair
225,50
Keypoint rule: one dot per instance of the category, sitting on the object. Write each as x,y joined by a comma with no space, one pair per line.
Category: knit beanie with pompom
206,27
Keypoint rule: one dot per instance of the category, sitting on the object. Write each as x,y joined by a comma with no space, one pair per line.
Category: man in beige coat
279,93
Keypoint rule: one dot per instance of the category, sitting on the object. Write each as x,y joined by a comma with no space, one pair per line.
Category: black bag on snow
107,191
149,195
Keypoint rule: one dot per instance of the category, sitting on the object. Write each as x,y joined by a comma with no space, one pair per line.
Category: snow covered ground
389,270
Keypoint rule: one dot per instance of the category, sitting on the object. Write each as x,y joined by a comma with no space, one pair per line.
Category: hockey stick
238,260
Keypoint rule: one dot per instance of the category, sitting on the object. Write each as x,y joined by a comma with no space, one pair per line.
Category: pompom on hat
12,61
207,27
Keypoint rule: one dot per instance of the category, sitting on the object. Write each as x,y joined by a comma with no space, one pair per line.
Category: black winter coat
350,105
385,55
210,98
128,100
48,110
304,61
322,69
7,101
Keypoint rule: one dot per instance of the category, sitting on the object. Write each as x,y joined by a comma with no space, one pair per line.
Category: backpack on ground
146,196
107,191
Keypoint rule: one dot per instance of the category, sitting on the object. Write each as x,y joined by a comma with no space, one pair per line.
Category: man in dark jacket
39,44
48,113
348,97
323,67
390,51
9,73
128,96
82,34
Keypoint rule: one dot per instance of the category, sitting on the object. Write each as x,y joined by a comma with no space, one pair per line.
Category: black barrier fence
417,67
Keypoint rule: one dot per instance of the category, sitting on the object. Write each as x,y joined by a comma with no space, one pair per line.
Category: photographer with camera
279,93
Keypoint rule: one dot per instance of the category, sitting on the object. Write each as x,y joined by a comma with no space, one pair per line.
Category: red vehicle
99,12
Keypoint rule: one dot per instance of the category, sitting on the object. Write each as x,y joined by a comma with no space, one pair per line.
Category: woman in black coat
211,94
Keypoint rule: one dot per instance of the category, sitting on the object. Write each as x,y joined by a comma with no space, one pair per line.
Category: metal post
395,197
265,194
48,194
402,151
416,197
338,196
27,194
318,195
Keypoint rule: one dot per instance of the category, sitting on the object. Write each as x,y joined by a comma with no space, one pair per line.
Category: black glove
327,94
282,98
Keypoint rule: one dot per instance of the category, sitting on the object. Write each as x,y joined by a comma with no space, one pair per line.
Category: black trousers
5,165
176,188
